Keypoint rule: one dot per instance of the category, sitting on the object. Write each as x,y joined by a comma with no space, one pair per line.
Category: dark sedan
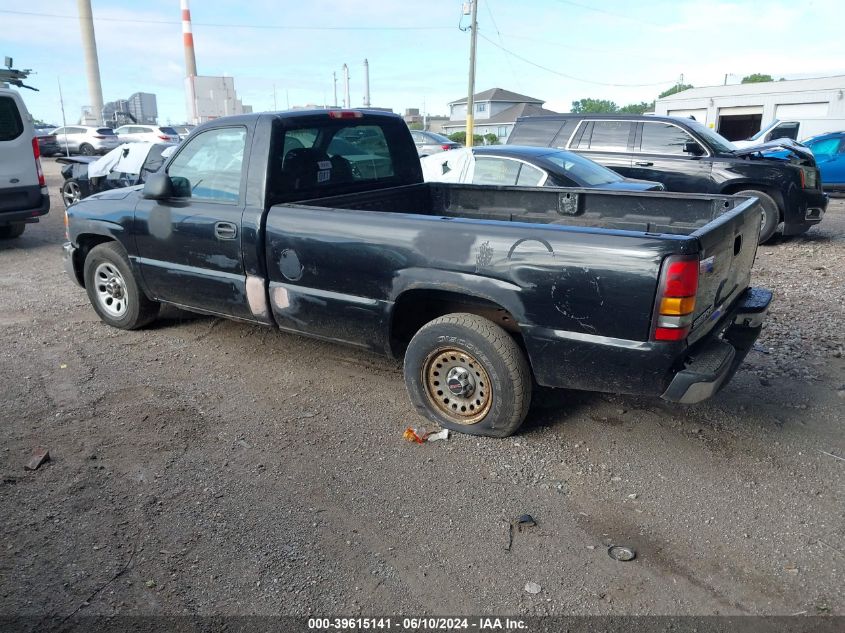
527,167
48,145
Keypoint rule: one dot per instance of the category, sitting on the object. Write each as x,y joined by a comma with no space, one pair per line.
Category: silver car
86,140
147,133
430,143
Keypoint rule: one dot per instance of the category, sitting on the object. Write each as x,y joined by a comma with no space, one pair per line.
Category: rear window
11,125
536,132
168,130
105,131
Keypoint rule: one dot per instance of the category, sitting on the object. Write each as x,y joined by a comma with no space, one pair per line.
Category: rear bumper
805,213
23,204
714,363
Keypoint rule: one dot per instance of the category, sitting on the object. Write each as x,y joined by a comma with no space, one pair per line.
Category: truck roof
295,114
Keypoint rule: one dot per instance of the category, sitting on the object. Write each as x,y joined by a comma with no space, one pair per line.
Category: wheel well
775,193
415,308
86,243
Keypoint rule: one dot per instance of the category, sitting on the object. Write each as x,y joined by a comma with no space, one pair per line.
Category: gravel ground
203,466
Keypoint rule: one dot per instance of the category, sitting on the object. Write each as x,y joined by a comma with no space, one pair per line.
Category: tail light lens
164,138
36,152
445,147
676,298
345,114
99,136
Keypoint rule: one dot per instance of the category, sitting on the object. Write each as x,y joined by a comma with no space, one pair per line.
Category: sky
283,53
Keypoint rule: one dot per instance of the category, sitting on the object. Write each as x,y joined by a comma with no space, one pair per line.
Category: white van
796,129
23,192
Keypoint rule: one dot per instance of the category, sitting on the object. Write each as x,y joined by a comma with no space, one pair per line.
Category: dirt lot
208,467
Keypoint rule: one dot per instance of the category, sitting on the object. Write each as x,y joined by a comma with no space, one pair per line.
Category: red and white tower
190,61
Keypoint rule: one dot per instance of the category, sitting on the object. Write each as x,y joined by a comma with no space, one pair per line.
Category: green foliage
674,89
756,78
638,108
491,139
415,125
461,137
594,106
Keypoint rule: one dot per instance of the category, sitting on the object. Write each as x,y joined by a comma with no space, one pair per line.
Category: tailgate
728,246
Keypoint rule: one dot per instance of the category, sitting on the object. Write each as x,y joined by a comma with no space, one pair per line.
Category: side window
211,165
664,138
784,130
418,138
608,136
530,176
495,171
825,147
11,124
535,132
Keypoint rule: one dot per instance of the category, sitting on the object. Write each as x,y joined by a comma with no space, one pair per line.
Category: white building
214,97
739,111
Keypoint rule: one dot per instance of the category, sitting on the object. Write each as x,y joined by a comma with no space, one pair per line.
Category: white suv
147,133
85,139
23,192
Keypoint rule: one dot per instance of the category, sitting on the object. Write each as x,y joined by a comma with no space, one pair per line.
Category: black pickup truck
687,156
320,223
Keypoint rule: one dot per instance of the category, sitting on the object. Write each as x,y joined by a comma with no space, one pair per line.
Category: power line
560,74
238,26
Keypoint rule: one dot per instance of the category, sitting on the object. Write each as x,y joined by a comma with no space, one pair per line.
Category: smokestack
366,83
92,65
190,62
346,102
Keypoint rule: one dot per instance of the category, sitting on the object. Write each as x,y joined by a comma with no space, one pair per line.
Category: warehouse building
739,111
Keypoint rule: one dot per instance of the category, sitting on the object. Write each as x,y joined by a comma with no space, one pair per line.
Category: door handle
225,230
643,163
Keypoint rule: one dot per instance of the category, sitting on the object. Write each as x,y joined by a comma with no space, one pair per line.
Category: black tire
129,308
11,231
462,345
86,149
771,213
71,192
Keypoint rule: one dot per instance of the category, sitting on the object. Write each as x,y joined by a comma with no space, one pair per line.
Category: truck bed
646,212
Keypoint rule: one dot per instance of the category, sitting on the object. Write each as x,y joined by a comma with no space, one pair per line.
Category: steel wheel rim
110,289
447,368
70,193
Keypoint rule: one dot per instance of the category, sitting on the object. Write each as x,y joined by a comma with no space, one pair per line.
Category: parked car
687,156
47,143
792,129
86,140
183,130
430,143
125,166
482,290
147,133
829,150
23,190
508,165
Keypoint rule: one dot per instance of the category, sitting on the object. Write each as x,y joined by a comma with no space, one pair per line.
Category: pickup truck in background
319,223
687,156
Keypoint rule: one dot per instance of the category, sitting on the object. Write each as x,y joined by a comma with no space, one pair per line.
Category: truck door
607,142
189,245
660,153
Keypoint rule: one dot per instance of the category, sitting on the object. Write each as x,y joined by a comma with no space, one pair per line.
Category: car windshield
715,140
763,131
583,170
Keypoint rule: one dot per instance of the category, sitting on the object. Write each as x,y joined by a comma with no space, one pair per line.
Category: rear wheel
467,374
86,149
71,192
11,231
113,290
771,214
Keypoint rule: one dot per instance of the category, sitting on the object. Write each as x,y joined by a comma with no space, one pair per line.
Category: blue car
829,150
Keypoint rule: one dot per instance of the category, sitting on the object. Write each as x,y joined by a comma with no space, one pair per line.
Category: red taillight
345,114
445,147
36,152
676,298
99,136
164,138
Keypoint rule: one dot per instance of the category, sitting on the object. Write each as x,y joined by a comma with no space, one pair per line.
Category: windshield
717,141
763,131
583,170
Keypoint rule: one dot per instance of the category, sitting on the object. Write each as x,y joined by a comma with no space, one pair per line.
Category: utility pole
334,80
470,101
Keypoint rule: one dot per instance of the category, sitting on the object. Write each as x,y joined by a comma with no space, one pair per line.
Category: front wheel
467,374
771,215
71,192
113,290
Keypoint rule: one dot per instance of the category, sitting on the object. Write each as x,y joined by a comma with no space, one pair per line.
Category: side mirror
158,187
691,147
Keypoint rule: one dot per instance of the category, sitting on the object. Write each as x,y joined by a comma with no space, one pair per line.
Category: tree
637,108
756,78
416,125
674,89
461,137
594,106
491,139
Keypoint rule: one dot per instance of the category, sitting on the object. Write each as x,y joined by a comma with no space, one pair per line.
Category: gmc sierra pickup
320,223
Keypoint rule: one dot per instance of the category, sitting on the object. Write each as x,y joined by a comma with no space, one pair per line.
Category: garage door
700,115
741,110
788,111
